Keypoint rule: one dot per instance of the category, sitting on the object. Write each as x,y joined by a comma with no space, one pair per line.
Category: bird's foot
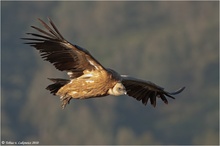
65,100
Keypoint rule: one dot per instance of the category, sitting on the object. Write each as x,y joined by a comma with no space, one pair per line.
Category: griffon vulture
88,78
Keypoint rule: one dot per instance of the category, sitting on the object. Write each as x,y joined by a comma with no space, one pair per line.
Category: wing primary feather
41,36
177,92
145,97
145,100
44,32
55,28
167,94
152,97
49,29
163,98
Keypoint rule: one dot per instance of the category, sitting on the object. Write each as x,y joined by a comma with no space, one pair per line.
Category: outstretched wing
62,54
145,90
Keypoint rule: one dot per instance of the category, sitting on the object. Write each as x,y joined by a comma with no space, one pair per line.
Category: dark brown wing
145,90
62,54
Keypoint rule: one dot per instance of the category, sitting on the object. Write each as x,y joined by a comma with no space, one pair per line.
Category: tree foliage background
172,44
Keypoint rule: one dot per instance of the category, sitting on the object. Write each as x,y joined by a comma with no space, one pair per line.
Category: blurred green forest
172,44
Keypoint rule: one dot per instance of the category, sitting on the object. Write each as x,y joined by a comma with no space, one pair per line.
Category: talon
65,101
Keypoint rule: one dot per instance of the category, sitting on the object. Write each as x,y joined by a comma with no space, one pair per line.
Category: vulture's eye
120,89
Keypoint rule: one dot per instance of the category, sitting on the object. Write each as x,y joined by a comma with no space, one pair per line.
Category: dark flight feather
62,54
144,90
58,83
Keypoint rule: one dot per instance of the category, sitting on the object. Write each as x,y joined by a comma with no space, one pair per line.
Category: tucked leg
65,100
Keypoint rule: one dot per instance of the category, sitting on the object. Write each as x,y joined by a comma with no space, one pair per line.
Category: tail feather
58,83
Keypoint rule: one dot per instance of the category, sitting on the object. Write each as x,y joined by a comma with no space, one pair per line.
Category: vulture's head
117,90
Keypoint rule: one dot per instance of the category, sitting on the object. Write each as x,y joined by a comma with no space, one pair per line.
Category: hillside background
172,44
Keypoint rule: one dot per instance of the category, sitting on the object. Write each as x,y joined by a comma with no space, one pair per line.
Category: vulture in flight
87,77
